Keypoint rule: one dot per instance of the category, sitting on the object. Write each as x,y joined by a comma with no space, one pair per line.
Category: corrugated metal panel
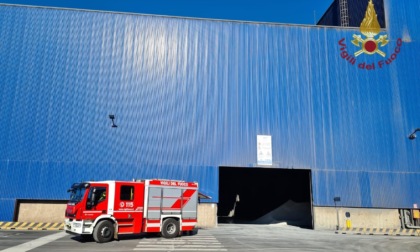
366,189
192,95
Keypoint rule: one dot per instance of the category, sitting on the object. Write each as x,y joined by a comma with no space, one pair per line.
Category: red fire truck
106,209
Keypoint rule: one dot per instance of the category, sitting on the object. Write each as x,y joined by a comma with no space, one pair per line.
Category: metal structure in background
351,13
337,199
410,218
344,13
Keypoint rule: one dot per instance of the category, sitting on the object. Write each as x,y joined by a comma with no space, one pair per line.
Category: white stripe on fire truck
111,191
127,211
172,186
145,200
153,225
188,224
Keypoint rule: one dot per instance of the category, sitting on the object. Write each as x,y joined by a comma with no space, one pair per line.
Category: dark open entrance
265,196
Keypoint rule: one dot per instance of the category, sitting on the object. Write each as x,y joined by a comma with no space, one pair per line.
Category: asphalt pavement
226,237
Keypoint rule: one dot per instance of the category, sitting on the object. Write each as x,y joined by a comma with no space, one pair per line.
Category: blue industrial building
190,97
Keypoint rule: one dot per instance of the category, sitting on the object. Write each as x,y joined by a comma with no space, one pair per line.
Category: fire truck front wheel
103,232
170,228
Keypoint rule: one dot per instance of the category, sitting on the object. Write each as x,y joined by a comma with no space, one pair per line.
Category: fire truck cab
106,209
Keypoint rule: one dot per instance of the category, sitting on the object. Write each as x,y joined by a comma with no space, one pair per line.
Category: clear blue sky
279,11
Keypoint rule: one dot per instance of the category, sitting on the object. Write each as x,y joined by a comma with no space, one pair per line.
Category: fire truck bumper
77,227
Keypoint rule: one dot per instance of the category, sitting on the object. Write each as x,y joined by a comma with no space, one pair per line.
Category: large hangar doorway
265,196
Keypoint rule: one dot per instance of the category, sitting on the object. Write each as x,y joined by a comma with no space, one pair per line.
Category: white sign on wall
264,150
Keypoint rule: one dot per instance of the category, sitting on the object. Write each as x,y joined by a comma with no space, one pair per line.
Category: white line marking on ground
179,249
184,243
35,243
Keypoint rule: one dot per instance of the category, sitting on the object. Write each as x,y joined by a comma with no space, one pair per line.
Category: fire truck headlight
77,225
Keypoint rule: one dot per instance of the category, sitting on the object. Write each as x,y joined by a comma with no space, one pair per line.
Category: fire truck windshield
77,192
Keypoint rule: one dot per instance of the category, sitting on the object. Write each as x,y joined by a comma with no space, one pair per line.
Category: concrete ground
226,237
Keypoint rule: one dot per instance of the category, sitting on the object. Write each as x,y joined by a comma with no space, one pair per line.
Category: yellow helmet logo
370,28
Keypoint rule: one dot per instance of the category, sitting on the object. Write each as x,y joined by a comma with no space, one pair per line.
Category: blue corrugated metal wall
192,95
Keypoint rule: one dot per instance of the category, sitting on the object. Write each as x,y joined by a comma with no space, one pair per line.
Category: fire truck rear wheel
103,232
170,228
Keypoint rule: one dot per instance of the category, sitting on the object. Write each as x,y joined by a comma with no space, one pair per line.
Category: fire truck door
163,201
171,201
128,207
189,204
154,203
96,203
